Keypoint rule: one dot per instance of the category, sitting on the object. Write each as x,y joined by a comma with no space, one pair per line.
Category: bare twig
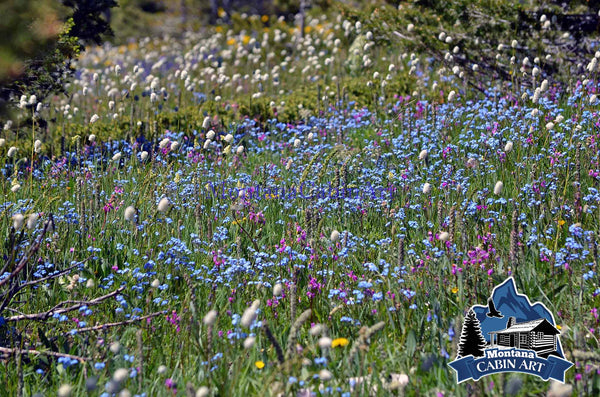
253,241
51,312
61,273
34,248
41,280
7,350
102,327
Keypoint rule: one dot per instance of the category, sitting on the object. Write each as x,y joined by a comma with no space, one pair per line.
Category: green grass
207,252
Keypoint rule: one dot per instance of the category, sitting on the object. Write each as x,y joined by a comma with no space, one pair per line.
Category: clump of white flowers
32,220
250,314
335,236
164,143
18,221
164,204
130,214
498,188
210,318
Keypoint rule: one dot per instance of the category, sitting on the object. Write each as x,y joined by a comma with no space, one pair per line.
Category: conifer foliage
472,341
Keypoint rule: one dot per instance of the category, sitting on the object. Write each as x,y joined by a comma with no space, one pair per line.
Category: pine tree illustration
471,338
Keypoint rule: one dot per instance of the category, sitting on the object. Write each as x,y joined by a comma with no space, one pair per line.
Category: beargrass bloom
325,342
64,391
18,221
335,236
115,347
325,375
164,143
250,314
498,188
130,214
249,342
32,220
120,375
210,318
317,330
164,204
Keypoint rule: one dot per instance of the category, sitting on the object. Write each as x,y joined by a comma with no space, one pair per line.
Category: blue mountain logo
510,334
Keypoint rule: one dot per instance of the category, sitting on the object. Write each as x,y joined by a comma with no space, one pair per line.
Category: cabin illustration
538,335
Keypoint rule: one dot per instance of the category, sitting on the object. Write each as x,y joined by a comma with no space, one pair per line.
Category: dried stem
53,311
7,350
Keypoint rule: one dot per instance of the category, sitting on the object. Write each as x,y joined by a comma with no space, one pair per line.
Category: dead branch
102,327
53,311
32,250
41,280
8,350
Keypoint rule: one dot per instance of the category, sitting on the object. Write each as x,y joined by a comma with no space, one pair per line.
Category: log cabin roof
540,325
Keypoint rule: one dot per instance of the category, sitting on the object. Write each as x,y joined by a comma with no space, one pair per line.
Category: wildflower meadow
298,207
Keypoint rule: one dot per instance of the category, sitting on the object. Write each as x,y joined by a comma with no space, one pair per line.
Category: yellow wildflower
259,364
339,342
